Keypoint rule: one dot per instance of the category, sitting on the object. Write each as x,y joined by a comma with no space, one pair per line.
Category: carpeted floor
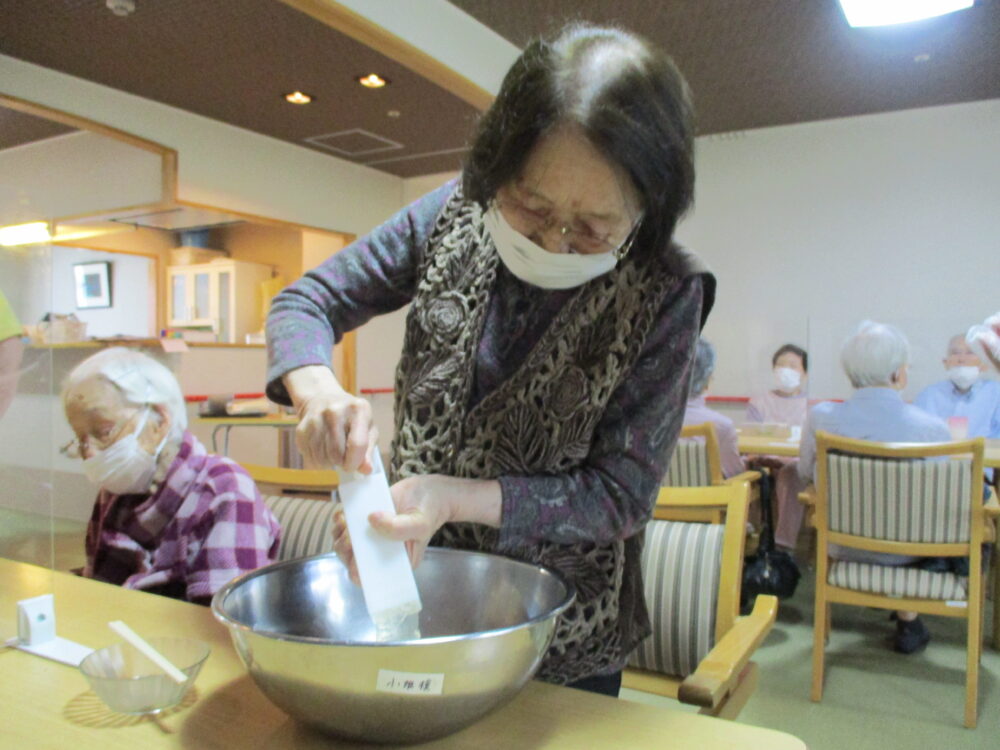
874,698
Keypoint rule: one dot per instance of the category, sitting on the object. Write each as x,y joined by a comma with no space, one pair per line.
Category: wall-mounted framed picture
93,284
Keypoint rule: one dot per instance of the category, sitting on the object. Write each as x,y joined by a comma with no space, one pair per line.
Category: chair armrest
743,476
808,496
718,672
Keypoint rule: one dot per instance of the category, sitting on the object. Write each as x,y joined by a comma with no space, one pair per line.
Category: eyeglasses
576,237
79,447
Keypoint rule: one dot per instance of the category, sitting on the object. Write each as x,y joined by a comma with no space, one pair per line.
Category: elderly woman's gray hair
873,354
139,378
702,367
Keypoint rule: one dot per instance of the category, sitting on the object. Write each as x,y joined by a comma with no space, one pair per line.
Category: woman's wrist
475,501
305,382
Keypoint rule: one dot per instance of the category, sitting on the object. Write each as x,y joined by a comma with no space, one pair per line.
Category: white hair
873,354
140,379
702,367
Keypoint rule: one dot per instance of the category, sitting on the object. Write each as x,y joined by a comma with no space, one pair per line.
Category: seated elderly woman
697,412
169,517
875,360
786,404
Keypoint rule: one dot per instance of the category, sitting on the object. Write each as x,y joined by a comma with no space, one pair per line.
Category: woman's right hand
335,428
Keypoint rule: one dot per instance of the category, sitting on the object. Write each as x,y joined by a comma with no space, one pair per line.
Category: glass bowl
130,683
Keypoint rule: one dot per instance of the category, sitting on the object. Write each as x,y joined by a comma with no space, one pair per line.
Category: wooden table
772,446
762,445
49,705
991,456
226,424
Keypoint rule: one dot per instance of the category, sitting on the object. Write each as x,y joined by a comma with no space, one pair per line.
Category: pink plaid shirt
204,524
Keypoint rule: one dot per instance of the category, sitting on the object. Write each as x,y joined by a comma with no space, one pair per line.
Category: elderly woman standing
547,353
875,359
169,518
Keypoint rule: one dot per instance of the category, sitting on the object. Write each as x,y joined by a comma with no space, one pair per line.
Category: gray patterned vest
539,421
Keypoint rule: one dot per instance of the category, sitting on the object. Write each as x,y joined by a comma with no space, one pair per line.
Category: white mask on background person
787,378
963,377
124,468
536,265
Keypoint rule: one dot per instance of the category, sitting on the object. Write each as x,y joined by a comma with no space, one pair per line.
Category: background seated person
875,360
697,412
785,404
964,393
169,518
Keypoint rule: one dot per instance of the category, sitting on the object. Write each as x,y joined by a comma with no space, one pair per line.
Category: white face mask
963,377
787,378
535,265
124,468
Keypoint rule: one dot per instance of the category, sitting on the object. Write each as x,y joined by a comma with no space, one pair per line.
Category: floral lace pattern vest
539,421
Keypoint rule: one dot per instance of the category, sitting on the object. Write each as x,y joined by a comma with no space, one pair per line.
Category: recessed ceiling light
372,81
888,12
393,113
298,97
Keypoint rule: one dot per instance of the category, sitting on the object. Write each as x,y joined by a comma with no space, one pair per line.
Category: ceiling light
372,81
888,12
298,97
394,114
24,234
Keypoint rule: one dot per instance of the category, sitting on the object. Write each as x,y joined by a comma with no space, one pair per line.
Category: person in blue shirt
876,359
964,394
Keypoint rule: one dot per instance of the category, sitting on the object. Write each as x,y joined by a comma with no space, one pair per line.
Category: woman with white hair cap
875,360
169,518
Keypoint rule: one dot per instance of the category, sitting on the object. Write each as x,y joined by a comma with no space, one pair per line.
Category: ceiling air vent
355,142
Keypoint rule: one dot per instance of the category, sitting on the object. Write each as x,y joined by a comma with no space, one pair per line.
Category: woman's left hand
425,503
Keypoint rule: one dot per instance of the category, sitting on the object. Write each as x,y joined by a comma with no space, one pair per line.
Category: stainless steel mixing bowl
303,632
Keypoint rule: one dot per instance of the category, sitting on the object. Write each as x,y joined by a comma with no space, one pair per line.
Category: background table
49,705
226,424
762,445
991,456
757,444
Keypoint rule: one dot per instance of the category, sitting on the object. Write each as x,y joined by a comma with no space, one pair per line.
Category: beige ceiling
754,63
750,63
233,60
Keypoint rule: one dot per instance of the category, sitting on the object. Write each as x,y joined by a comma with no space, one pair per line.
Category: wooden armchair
696,463
882,497
700,649
300,500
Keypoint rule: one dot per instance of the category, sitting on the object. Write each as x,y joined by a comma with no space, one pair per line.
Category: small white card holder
36,632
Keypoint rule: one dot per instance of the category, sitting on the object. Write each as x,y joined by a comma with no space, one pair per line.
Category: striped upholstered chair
696,463
700,649
885,497
300,500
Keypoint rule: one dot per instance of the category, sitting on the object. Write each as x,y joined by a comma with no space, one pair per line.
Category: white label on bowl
409,683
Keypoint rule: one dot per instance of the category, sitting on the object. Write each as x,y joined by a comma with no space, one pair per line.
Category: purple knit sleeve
375,275
611,495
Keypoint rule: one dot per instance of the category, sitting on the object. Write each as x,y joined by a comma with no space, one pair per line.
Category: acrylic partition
65,178
928,329
743,366
30,530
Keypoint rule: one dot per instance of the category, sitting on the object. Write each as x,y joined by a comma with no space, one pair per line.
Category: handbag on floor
768,570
